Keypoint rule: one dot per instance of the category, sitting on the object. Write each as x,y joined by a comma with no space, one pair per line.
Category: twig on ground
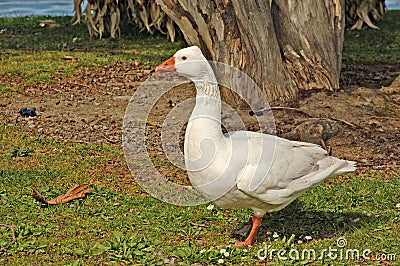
323,145
344,122
23,237
278,108
303,112
199,225
80,84
109,140
385,117
14,237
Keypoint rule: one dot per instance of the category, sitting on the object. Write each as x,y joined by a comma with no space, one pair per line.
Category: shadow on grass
294,219
27,34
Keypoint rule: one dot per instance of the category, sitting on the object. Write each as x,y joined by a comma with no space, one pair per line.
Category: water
20,8
393,4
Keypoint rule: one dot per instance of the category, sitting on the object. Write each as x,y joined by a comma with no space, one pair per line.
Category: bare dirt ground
89,107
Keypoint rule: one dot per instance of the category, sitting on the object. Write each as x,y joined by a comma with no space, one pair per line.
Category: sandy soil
360,122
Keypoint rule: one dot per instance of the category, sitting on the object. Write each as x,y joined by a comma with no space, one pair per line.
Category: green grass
118,223
26,34
369,45
37,53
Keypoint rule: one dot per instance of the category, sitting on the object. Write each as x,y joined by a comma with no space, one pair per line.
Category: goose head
191,63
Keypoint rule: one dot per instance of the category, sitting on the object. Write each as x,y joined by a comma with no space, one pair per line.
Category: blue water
393,4
20,8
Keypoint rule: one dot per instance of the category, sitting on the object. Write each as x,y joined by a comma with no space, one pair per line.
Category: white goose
244,169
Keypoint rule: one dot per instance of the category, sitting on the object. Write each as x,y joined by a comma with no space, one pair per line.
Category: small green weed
20,152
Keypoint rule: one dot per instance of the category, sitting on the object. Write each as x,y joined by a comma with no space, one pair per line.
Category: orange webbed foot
252,236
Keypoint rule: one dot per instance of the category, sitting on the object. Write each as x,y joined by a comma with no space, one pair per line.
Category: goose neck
207,89
206,115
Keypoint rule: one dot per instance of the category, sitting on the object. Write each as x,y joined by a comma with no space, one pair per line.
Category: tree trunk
289,46
310,36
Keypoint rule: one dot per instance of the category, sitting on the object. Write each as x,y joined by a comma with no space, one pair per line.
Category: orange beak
168,65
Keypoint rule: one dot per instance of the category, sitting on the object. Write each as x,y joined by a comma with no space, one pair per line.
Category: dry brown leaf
37,196
151,123
375,258
14,237
68,58
77,192
50,23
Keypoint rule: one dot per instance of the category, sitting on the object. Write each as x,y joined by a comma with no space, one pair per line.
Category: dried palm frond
108,15
359,12
78,11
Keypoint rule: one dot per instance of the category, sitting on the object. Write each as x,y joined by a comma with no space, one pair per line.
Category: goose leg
252,236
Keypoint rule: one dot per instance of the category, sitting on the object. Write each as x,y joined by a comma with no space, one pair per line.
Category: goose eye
184,57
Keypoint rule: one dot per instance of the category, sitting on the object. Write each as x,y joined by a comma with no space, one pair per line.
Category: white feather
245,169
